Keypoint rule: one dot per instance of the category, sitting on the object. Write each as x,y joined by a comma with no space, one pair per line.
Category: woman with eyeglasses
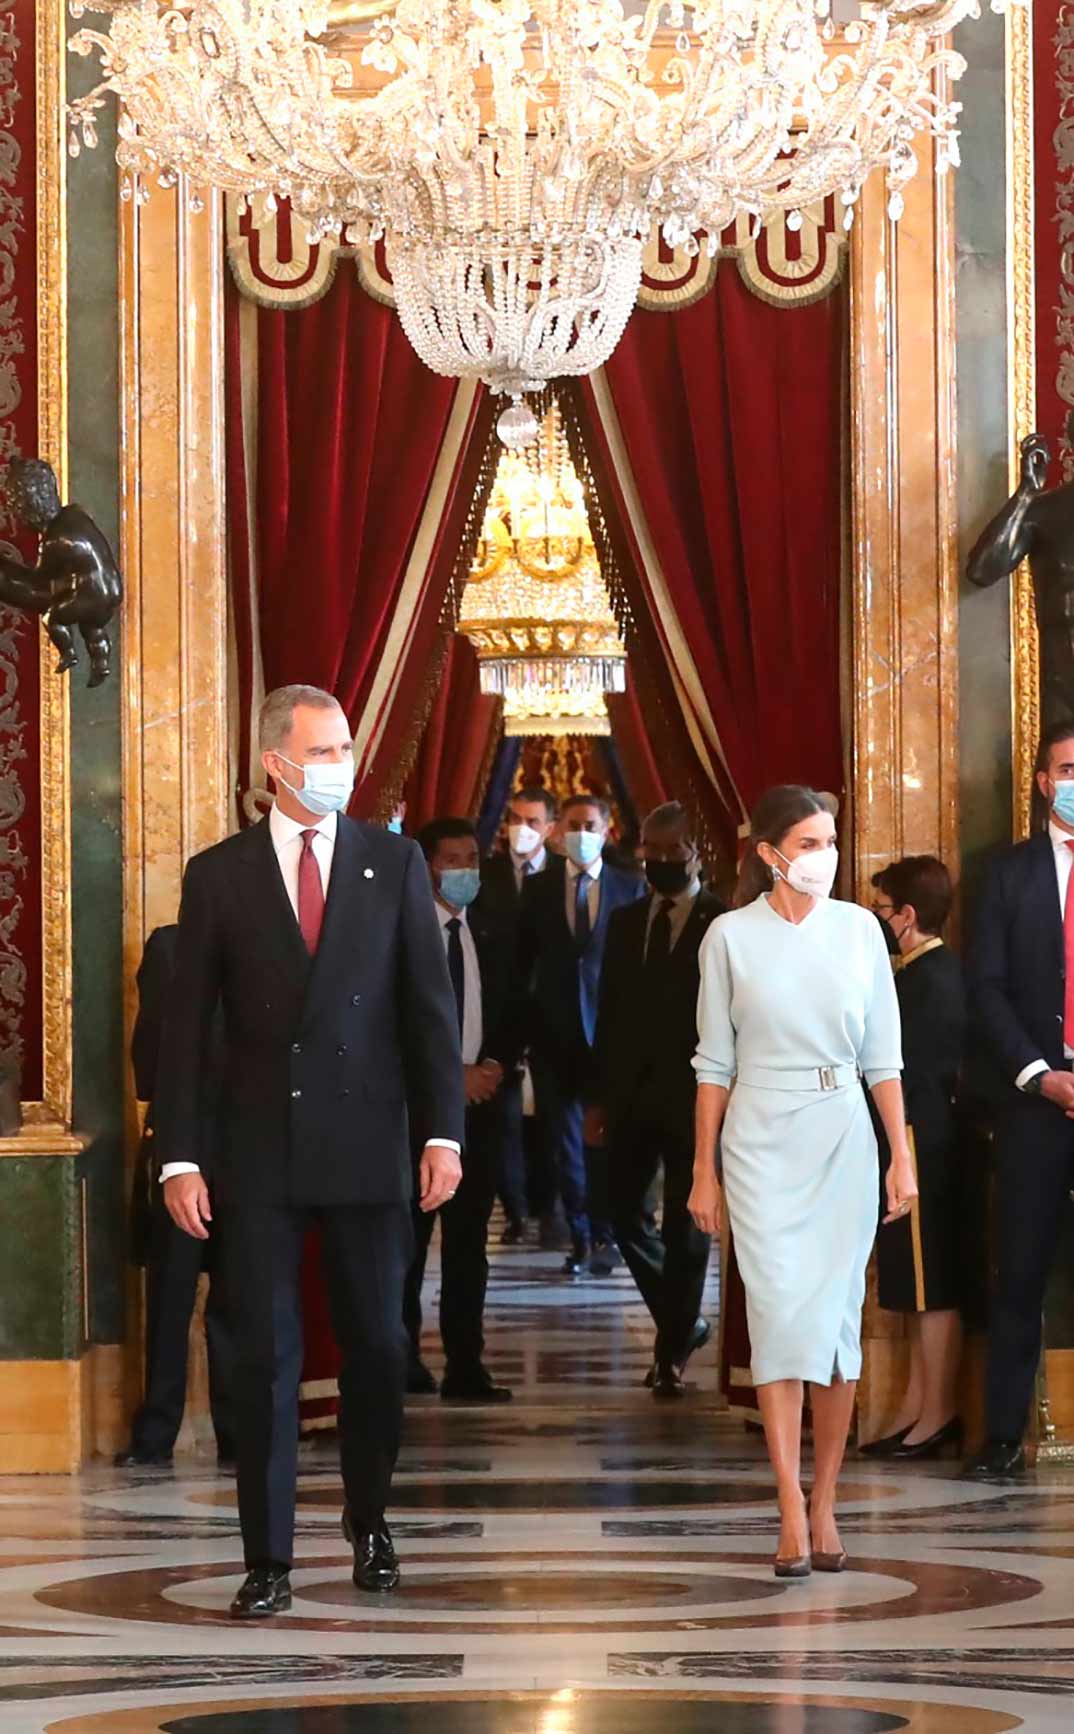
797,1003
918,1259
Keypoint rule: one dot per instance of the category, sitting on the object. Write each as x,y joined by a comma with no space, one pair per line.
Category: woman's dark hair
922,883
1038,805
774,815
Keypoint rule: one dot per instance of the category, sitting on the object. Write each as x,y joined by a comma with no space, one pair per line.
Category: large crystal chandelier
535,605
514,154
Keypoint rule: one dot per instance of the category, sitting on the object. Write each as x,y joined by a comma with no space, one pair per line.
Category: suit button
295,1094
296,1047
341,1050
344,1093
356,999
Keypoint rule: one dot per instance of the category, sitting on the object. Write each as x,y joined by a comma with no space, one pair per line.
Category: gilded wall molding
1021,392
53,1112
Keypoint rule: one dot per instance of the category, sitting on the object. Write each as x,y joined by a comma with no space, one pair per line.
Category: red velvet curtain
640,759
455,756
363,481
716,433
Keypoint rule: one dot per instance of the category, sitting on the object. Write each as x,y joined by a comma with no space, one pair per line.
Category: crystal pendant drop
517,425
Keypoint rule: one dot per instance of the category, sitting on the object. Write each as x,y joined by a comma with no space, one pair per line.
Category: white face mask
524,840
325,788
812,874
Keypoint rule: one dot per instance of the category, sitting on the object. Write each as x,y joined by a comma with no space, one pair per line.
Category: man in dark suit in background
319,939
173,1260
1021,971
563,928
645,1089
525,1181
481,966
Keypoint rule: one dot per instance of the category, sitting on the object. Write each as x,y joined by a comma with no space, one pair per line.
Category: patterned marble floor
586,1562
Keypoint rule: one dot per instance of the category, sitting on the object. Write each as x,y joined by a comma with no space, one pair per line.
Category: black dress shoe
135,1458
667,1384
888,1445
576,1262
473,1387
604,1258
376,1567
419,1381
998,1460
700,1333
949,1435
267,1590
514,1234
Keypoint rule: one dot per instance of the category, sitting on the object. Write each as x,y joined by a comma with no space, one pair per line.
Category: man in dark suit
173,1260
480,964
526,1181
1021,970
645,1090
319,939
563,928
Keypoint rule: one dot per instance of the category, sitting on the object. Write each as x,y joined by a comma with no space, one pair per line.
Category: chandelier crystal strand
515,154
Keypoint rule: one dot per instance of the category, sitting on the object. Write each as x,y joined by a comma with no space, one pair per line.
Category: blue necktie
456,967
582,926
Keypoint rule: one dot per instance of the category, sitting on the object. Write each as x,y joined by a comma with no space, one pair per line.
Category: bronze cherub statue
76,582
1037,523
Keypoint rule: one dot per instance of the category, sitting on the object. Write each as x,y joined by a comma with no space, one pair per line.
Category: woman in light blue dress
798,1003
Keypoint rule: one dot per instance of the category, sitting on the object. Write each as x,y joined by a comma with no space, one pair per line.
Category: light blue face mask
396,826
460,885
583,847
326,788
1063,804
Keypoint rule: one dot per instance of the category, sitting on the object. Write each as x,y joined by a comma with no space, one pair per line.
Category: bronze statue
76,581
1038,525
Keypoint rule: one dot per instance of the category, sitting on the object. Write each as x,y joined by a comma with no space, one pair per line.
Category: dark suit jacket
550,965
500,898
1016,963
323,1056
501,1009
647,1028
932,1006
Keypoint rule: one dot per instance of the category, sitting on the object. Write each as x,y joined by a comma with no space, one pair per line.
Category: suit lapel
263,882
351,892
1045,893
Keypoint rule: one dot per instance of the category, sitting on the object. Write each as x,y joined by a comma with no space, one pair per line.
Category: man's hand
186,1198
481,1082
439,1174
1058,1087
594,1127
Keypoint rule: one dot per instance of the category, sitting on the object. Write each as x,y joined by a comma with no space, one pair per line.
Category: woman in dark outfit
918,1259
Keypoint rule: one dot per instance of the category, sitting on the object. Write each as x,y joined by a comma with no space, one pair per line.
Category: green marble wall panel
40,1259
96,766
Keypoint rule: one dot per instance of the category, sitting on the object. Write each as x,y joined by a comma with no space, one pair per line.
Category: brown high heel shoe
793,1568
823,1561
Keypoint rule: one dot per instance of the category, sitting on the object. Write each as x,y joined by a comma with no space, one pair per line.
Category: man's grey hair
276,717
672,814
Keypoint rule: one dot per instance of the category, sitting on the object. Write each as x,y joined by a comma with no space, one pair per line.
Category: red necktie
1068,947
310,895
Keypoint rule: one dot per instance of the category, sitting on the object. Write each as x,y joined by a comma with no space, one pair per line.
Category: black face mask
889,938
669,878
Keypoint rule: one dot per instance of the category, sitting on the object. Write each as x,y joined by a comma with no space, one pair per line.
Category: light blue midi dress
790,1019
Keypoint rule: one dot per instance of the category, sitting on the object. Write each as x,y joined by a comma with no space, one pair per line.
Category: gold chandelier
515,154
535,606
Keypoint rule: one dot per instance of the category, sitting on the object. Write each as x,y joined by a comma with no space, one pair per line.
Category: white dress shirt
473,1034
1064,861
682,907
594,871
535,863
286,835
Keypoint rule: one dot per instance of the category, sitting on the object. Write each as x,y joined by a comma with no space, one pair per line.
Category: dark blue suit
1017,979
562,978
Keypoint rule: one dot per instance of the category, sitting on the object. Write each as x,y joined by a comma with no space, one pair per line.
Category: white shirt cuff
445,1144
1031,1071
171,1168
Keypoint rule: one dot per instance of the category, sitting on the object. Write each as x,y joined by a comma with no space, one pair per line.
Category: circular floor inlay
573,1714
556,1591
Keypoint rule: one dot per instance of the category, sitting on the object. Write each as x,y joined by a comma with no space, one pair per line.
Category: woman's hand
705,1202
901,1185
